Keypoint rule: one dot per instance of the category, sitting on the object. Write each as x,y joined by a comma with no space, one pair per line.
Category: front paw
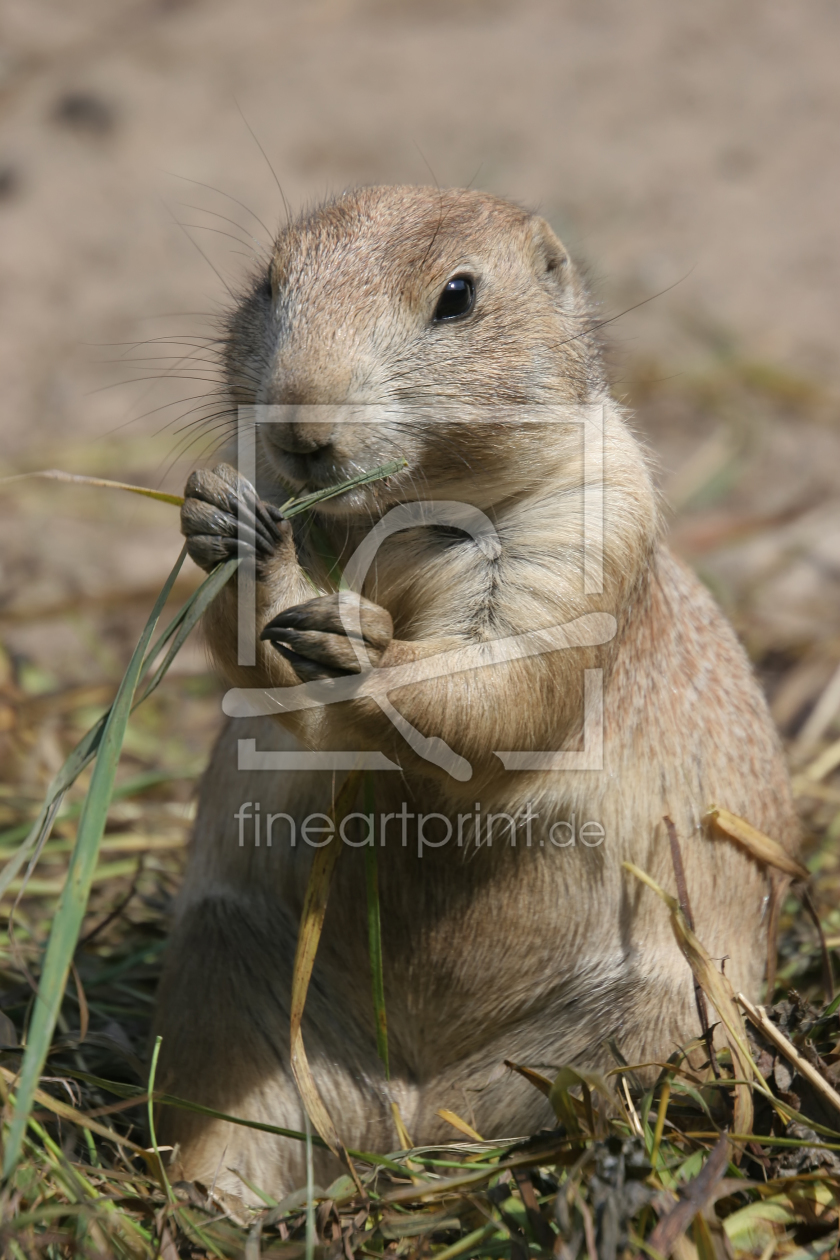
223,517
321,643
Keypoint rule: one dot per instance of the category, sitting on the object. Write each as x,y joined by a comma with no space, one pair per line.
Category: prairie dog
451,329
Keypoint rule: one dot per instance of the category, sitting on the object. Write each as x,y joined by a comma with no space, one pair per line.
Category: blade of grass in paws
311,923
375,933
293,506
180,627
290,508
183,623
74,897
192,612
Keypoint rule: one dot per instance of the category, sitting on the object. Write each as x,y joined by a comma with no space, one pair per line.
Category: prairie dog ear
555,270
550,258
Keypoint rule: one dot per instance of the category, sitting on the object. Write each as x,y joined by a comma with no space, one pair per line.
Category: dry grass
627,1171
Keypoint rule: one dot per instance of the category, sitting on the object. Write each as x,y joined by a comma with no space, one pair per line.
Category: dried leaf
762,848
311,924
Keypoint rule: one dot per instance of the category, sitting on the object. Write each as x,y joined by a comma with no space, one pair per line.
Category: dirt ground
687,154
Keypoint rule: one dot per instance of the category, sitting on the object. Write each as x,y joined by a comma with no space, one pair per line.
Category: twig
759,1017
779,885
117,911
695,1197
588,1227
827,976
685,906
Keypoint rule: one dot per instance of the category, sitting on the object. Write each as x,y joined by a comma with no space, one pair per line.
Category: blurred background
688,156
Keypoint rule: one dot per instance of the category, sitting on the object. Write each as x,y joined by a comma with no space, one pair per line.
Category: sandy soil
671,144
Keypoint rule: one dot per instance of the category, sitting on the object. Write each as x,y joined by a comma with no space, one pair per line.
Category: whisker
224,428
202,227
196,245
175,402
179,454
219,420
151,341
602,323
204,421
198,419
221,193
138,380
226,219
268,163
164,358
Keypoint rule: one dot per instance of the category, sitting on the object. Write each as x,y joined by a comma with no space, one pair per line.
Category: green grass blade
183,624
74,897
294,506
375,934
81,756
170,1197
178,629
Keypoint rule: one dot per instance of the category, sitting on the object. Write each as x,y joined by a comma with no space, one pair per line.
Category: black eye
456,300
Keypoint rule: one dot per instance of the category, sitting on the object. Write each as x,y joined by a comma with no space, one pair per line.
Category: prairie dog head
410,322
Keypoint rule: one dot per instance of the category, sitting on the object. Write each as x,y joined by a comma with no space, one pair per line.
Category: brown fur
537,954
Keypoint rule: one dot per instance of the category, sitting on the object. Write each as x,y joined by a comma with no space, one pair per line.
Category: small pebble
9,181
84,112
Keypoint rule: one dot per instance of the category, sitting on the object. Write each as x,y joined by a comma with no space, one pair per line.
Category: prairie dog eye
456,299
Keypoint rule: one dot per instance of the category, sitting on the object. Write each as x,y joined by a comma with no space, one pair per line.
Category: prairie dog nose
299,436
298,426
301,422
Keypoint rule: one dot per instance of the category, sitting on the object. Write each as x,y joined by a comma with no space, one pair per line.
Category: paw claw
208,550
315,632
222,504
307,670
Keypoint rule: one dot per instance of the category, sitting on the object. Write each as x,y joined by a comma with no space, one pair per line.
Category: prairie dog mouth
313,448
348,487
